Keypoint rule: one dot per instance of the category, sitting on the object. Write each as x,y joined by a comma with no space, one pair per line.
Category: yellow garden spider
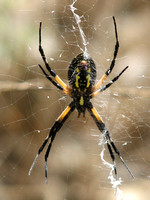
81,76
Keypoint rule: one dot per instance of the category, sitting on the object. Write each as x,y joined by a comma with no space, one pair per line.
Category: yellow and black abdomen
78,64
81,75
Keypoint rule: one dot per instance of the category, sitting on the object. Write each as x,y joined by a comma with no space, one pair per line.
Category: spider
81,76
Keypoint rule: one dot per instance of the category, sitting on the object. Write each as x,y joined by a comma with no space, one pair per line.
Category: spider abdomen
81,75
84,67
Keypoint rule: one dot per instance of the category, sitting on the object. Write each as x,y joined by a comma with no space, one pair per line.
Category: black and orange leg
66,89
110,144
108,85
109,70
54,82
50,79
55,128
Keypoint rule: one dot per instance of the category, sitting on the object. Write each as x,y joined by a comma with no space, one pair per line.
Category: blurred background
29,104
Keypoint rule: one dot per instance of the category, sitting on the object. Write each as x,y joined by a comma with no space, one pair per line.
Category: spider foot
30,170
126,166
46,177
115,171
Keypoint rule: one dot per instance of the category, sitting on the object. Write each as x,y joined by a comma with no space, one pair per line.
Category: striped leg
53,74
55,128
109,70
110,144
107,85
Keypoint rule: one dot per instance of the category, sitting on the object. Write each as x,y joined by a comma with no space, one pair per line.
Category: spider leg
54,83
108,85
55,128
109,70
56,77
110,144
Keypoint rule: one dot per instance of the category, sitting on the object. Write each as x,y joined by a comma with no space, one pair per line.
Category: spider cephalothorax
81,75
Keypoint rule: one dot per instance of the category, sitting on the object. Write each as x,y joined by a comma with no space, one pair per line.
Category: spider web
79,164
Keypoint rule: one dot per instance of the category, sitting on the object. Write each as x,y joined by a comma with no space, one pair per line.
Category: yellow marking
77,79
77,69
95,113
100,82
89,69
88,80
61,82
81,101
64,113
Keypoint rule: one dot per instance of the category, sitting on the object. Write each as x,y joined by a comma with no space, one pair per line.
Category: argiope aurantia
81,75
